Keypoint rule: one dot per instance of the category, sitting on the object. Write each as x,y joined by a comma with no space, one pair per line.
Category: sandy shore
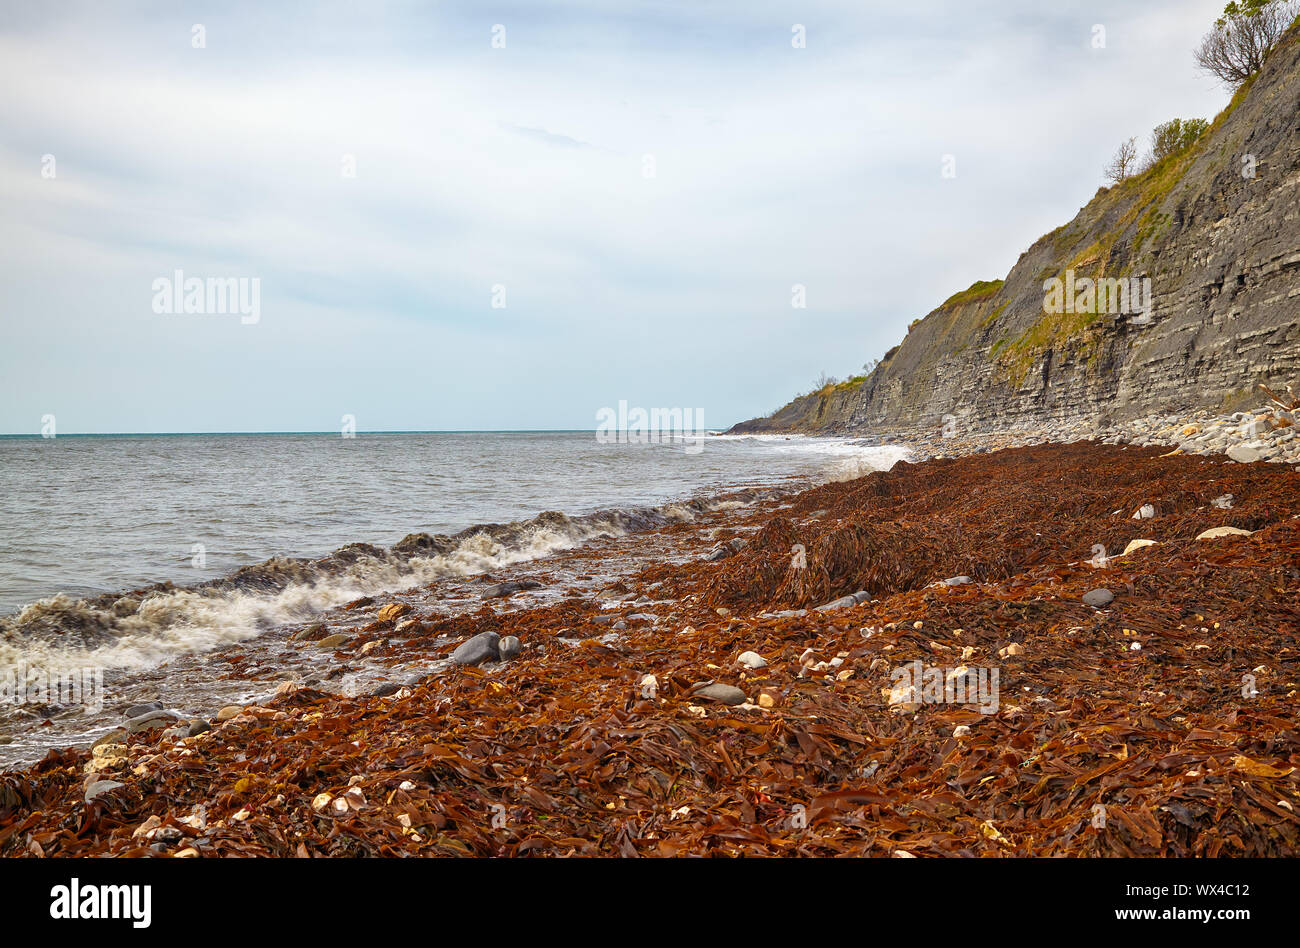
704,704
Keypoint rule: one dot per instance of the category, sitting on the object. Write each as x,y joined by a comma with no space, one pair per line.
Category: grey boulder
481,648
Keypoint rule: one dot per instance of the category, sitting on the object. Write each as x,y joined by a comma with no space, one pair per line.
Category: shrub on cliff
1241,39
1175,136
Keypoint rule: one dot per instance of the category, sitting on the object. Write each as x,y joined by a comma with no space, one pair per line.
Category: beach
976,655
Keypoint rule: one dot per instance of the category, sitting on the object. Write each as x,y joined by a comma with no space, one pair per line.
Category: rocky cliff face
1215,230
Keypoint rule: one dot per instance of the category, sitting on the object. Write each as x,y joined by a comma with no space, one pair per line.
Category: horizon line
335,433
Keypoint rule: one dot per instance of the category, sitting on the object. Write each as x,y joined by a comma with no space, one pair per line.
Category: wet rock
509,589
114,736
101,787
332,641
176,733
861,596
481,648
230,711
723,694
384,690
719,552
393,611
151,719
199,726
310,634
509,648
1098,598
138,709
641,617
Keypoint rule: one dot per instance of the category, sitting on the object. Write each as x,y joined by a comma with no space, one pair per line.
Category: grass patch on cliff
979,290
838,387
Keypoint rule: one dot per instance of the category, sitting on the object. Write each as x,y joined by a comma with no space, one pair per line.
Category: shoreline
597,759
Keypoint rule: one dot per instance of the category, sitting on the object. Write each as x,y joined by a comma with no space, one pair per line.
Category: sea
223,537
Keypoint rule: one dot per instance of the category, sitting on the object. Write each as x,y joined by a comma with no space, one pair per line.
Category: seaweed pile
706,711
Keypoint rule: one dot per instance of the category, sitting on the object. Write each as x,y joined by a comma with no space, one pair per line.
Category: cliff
1212,233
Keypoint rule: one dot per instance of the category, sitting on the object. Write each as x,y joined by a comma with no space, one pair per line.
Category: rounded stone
509,648
1098,598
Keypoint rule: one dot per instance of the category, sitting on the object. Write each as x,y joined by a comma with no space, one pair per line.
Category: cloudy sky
641,184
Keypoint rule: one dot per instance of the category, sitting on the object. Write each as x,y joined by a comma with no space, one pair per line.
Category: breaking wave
147,626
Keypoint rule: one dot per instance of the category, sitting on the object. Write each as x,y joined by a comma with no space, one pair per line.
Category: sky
512,215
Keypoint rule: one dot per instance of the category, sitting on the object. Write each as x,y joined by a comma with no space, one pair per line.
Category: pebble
752,660
151,719
230,711
331,641
481,648
1242,454
112,737
101,787
1135,545
956,581
509,648
138,709
841,603
1216,532
501,590
1098,598
724,694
